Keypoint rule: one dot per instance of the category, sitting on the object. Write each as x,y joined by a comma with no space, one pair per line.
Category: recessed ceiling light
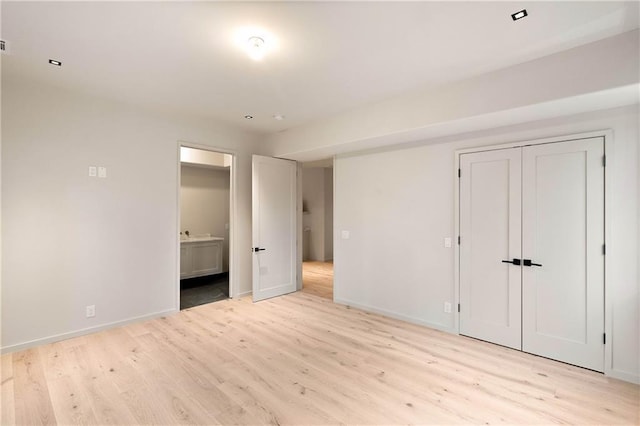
248,117
54,62
519,15
278,117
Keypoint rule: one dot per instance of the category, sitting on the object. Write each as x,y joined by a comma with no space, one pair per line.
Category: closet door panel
490,290
563,231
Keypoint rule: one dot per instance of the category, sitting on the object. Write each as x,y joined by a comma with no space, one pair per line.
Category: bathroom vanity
200,256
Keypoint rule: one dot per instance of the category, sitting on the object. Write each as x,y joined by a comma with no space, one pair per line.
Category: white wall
204,203
70,241
313,196
398,205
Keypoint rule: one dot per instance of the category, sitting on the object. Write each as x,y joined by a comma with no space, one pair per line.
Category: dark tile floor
201,290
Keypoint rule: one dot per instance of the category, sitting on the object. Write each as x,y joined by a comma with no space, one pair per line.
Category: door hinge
458,239
604,161
604,249
458,307
604,338
459,173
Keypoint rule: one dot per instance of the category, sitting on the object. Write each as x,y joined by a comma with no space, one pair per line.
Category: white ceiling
329,57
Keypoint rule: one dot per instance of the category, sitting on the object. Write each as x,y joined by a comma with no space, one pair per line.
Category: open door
274,199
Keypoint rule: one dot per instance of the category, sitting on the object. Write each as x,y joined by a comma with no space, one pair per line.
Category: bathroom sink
199,238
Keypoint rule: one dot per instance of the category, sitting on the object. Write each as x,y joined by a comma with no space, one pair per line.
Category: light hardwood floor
298,359
317,278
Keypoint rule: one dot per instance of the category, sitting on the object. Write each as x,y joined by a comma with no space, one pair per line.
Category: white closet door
563,231
490,216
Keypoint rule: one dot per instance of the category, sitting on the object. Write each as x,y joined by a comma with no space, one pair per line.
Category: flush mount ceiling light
519,15
54,62
278,117
256,48
255,42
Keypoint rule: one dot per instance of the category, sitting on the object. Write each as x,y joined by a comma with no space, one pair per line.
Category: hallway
317,279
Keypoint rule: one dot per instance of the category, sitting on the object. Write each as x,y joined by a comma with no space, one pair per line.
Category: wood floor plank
7,402
70,403
31,392
530,389
299,359
308,378
189,374
207,361
123,367
317,279
262,371
105,399
385,368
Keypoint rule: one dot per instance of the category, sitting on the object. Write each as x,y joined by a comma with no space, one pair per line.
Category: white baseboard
623,375
82,332
243,294
395,315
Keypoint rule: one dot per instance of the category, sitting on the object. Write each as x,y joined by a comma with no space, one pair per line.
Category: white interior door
490,216
274,227
563,231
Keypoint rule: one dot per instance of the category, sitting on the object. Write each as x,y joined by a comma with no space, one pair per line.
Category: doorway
531,249
317,228
205,196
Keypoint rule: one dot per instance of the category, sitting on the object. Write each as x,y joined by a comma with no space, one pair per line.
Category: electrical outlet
93,171
102,172
91,311
447,307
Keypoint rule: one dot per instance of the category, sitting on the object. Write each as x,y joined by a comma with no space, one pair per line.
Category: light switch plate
447,242
102,172
93,171
91,311
345,235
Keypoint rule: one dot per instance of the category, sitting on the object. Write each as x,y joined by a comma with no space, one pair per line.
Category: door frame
607,134
233,276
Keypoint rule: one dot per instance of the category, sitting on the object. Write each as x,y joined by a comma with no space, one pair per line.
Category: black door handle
527,262
514,261
257,249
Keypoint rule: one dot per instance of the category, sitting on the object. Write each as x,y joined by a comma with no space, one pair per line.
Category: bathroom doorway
317,228
205,224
